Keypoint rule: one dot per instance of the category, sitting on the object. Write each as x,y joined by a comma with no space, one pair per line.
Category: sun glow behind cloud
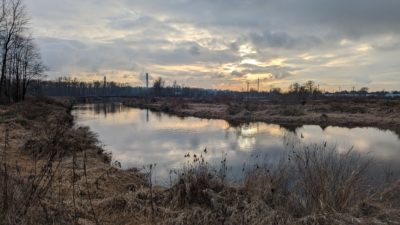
197,43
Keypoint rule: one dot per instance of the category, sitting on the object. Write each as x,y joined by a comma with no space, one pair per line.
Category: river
139,138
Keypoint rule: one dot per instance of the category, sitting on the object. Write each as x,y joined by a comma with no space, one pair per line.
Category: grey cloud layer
319,39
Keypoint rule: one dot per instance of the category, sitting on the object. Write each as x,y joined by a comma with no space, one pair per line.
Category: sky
222,44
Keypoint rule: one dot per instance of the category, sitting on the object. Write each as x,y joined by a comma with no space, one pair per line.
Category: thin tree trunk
3,69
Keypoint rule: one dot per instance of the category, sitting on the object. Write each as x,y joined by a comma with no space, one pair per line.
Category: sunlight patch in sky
221,44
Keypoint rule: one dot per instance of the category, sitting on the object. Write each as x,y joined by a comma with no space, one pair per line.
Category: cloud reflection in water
141,137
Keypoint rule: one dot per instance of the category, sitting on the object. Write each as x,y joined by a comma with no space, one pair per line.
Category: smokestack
147,80
105,86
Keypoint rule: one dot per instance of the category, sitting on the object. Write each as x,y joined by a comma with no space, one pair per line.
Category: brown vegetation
55,173
381,113
52,172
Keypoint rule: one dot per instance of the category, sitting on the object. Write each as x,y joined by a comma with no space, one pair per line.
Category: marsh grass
195,178
24,194
64,183
35,185
292,110
309,181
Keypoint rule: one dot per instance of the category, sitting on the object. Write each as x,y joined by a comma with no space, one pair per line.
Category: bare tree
364,89
20,59
13,24
158,85
295,88
310,86
32,67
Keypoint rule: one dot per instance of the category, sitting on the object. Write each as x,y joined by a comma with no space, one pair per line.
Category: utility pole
258,85
248,90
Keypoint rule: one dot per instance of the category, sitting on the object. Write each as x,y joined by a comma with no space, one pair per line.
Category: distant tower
147,80
258,85
105,86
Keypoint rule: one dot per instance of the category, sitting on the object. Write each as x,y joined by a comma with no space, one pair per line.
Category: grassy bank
381,113
53,172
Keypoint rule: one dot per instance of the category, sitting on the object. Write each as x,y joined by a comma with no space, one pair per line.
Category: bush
195,179
233,109
313,179
329,180
269,183
291,111
348,108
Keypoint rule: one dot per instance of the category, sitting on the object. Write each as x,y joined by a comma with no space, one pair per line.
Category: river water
139,138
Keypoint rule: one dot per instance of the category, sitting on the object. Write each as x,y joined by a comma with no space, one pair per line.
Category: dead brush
329,180
40,110
252,106
59,135
269,183
233,108
195,179
179,103
291,110
24,193
38,193
344,107
311,179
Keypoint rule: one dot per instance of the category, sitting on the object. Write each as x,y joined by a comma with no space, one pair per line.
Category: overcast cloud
222,43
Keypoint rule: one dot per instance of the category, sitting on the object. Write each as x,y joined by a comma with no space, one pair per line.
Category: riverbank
53,172
380,113
57,173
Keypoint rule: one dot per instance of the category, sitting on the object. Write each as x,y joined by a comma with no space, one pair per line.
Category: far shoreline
376,113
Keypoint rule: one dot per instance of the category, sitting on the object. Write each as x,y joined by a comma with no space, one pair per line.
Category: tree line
67,86
20,58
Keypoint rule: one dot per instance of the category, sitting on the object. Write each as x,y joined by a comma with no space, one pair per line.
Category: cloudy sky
222,43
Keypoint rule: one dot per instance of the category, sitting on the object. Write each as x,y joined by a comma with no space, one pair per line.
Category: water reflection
141,137
103,108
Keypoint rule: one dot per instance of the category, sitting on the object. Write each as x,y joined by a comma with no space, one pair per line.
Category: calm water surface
140,137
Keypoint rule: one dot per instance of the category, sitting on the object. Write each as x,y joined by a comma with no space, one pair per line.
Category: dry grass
27,184
292,110
382,113
58,174
195,179
315,184
52,172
